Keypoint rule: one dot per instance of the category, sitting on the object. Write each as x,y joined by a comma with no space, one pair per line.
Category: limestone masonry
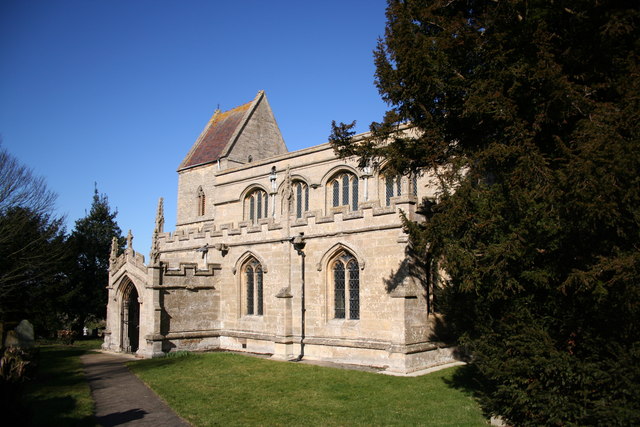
294,255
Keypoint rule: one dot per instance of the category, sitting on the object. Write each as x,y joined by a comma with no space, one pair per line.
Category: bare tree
32,245
19,187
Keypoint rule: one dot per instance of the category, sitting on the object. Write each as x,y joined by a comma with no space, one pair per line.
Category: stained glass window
346,285
257,206
338,278
249,272
345,191
254,288
393,188
354,290
259,289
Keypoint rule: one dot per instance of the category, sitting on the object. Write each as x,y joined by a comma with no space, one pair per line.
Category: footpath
121,398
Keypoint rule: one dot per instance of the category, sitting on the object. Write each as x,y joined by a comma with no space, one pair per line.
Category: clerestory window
344,191
256,205
301,198
393,188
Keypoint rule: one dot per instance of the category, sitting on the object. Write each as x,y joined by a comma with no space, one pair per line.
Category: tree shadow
467,378
118,418
52,411
151,364
415,278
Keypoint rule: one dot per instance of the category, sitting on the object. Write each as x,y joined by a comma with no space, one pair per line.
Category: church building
290,254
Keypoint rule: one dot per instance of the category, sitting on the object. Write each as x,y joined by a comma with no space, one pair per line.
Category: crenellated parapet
339,219
129,256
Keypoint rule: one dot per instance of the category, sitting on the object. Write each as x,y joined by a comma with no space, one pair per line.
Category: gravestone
21,336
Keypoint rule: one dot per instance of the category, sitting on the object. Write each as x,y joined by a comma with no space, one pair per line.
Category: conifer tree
89,245
528,113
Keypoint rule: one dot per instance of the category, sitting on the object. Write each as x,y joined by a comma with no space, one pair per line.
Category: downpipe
299,244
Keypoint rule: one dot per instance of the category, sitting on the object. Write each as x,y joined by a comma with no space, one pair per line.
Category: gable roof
219,134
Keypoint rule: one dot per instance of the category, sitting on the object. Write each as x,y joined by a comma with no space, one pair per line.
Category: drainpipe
273,177
298,245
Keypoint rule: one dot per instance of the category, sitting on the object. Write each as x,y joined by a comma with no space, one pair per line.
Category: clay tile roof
215,137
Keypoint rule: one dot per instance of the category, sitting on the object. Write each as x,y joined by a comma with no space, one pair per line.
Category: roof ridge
247,114
219,134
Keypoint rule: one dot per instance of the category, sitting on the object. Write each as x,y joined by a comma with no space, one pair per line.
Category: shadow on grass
467,379
150,364
57,395
52,411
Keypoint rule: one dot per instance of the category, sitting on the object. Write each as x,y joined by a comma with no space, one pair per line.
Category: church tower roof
224,129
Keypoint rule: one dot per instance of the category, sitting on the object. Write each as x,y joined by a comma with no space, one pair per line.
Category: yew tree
527,112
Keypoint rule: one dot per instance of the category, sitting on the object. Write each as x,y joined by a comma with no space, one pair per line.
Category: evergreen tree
32,250
89,245
32,261
528,113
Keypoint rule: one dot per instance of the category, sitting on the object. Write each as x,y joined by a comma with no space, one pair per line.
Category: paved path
121,398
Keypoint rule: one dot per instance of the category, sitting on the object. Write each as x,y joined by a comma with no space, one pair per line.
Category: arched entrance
130,319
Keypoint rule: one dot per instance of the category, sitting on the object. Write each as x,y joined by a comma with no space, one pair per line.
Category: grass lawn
231,389
60,395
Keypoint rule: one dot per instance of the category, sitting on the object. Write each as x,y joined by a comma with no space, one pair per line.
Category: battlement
128,256
339,219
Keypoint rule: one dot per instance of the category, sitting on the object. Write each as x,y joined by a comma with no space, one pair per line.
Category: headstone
24,333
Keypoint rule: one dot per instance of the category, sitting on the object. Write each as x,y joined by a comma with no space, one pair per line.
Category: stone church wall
196,292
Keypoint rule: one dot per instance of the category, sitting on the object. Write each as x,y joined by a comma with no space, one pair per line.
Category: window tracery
346,286
301,198
254,288
344,190
256,205
393,188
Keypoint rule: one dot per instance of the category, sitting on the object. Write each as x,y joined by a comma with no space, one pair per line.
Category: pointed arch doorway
130,319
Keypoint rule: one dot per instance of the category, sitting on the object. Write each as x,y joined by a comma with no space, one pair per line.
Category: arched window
346,286
393,188
256,205
201,203
301,198
253,285
344,190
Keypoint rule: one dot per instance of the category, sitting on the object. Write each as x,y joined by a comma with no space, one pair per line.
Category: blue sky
116,91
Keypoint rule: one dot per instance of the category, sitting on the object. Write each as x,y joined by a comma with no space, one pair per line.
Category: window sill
344,322
252,317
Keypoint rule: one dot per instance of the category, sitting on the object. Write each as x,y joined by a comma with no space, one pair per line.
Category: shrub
67,336
16,365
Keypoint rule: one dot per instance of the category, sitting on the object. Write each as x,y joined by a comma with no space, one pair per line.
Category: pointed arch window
344,190
346,286
301,196
393,188
254,289
201,202
256,206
